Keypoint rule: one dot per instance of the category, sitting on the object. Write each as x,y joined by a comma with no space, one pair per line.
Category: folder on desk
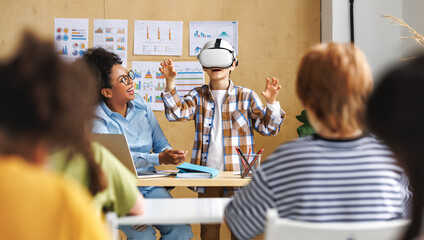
188,170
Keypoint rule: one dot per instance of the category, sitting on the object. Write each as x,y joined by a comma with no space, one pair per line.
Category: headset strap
218,43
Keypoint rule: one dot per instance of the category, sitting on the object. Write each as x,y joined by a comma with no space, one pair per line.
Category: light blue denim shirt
141,128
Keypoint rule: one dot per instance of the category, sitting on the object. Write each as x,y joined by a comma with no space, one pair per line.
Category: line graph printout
158,38
150,83
202,32
70,37
112,35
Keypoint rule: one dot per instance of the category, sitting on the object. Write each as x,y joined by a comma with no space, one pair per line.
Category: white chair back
286,229
112,222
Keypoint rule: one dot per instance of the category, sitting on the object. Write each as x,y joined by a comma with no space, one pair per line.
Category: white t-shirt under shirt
216,145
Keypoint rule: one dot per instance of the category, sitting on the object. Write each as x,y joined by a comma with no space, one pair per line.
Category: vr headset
217,54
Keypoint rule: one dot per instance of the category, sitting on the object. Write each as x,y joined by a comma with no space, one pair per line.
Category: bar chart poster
150,83
158,38
71,37
202,32
112,35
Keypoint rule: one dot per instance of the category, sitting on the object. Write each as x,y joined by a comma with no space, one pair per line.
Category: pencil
244,161
248,156
257,156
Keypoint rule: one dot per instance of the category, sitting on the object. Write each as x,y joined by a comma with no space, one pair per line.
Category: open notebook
118,146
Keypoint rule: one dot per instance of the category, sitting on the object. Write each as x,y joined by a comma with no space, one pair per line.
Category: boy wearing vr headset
225,115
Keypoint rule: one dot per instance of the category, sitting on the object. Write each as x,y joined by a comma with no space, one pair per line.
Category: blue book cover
193,168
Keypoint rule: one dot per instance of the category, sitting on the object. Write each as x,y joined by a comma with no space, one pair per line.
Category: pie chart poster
71,37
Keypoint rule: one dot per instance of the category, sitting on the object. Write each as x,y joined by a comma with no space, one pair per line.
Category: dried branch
413,34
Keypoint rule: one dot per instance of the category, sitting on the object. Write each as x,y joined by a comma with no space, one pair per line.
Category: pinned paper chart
150,83
71,37
158,38
202,32
112,35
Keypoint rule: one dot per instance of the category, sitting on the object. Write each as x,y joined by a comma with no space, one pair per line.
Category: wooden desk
224,179
179,211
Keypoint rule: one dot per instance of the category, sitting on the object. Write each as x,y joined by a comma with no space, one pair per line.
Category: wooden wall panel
272,37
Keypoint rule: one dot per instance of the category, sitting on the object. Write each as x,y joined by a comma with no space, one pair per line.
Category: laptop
117,144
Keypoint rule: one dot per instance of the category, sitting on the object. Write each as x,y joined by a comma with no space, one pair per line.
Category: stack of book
188,170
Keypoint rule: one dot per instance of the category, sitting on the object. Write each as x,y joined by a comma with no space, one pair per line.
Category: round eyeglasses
125,79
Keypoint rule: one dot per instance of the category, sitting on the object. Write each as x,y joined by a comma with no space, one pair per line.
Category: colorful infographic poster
71,37
112,35
202,32
150,83
158,38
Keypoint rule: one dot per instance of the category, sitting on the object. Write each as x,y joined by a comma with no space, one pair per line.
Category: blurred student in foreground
120,111
341,174
395,113
111,184
40,112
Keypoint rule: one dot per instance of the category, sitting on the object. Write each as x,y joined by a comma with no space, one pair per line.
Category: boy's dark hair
44,99
101,63
395,113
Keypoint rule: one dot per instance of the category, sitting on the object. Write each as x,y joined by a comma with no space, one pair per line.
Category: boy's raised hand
271,90
168,71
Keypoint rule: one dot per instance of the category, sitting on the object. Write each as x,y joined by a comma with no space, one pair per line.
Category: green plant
306,129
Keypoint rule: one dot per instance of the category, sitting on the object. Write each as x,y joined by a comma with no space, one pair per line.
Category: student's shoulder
373,139
290,148
372,142
100,110
242,89
246,92
200,89
79,211
55,187
299,143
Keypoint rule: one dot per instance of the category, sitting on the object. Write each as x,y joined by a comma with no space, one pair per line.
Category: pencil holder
248,164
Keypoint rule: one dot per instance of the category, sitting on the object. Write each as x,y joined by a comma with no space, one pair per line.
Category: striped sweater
319,180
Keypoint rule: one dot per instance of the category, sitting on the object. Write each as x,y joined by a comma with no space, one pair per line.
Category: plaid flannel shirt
242,111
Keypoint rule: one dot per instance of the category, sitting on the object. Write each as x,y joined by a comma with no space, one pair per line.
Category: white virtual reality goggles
217,54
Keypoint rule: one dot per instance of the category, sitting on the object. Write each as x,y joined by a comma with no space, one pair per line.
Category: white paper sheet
150,83
112,35
71,37
202,32
158,38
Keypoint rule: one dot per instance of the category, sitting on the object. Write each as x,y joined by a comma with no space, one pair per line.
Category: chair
286,229
112,222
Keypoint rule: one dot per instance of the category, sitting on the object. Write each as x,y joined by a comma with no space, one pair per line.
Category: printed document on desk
188,170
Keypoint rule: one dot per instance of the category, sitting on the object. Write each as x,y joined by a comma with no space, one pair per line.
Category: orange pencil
256,158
